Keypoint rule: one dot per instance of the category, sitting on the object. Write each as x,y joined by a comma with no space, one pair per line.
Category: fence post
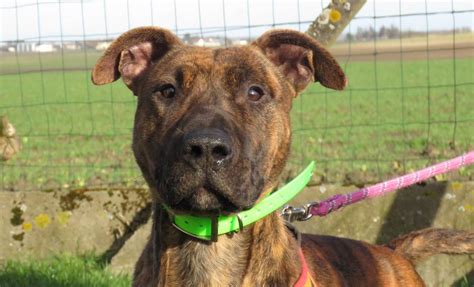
332,21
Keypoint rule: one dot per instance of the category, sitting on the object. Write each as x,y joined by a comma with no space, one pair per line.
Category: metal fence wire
409,101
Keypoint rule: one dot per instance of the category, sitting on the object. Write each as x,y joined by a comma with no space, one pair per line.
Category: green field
60,271
394,117
71,271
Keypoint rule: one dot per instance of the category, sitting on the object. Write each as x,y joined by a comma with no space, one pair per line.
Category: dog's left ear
132,54
301,59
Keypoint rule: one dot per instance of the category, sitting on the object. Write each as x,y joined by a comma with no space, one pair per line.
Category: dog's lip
227,206
222,196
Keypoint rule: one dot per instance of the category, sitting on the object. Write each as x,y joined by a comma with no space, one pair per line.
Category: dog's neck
267,246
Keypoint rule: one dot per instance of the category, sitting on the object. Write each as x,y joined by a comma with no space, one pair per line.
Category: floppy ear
131,54
301,59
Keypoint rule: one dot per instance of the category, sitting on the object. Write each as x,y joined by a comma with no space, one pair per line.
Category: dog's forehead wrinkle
187,59
213,75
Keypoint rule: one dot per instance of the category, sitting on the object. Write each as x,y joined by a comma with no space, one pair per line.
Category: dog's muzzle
206,148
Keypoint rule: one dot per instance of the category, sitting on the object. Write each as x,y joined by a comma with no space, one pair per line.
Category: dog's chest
197,264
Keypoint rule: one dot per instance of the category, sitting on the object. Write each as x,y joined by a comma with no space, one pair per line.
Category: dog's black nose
206,146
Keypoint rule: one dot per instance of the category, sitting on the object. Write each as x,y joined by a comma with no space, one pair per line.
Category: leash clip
290,213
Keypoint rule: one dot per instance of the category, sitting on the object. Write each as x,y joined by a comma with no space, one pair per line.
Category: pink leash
331,204
340,200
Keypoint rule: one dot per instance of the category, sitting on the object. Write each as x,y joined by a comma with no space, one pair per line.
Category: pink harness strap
305,279
340,200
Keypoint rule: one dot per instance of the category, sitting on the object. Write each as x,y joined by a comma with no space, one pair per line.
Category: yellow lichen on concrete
42,220
63,217
27,226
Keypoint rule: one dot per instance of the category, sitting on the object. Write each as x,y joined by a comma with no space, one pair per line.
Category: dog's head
212,127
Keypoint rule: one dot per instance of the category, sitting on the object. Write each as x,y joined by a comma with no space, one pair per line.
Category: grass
387,121
59,271
465,282
73,271
394,117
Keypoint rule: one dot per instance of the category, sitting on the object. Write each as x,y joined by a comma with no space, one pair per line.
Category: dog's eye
255,93
167,91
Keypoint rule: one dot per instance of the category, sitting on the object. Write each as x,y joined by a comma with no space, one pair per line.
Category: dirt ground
417,48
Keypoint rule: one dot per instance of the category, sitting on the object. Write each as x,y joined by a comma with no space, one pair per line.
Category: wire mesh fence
409,101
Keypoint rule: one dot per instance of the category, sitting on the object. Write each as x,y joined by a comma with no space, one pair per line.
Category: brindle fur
211,93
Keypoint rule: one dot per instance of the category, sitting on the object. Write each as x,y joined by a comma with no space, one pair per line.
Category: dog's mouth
208,190
206,200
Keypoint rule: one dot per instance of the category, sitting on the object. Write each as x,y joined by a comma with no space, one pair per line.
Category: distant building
22,47
102,46
213,41
71,46
239,42
45,48
207,42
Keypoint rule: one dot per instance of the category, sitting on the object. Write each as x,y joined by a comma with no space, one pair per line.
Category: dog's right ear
301,59
131,54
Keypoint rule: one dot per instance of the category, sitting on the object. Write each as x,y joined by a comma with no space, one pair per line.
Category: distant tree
393,32
349,37
371,33
361,34
187,38
382,34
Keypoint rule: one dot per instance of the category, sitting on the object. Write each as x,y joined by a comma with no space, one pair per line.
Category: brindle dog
211,136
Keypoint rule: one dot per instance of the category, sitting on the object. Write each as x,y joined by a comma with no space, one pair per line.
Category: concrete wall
114,223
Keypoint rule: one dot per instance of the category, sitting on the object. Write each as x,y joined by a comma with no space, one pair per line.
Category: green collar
208,228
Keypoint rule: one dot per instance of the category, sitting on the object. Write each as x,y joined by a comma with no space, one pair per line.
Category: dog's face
212,128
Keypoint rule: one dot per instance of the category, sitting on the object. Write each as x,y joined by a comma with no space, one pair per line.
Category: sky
46,20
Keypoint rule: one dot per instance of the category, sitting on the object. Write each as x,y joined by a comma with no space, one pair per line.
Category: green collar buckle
209,228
